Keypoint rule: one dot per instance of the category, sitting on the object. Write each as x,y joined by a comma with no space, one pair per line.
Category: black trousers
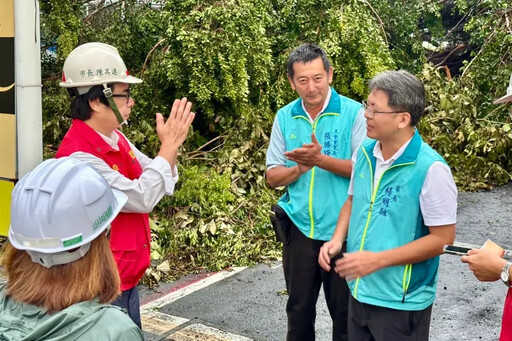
129,301
367,322
304,276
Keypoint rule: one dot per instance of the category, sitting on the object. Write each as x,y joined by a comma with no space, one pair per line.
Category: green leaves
229,58
476,145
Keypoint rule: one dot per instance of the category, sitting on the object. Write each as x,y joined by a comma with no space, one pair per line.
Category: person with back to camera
489,266
61,274
99,83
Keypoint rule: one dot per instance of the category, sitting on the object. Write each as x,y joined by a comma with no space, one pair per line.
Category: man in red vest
97,79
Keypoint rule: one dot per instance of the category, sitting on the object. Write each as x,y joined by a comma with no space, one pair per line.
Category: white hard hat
93,64
62,205
508,96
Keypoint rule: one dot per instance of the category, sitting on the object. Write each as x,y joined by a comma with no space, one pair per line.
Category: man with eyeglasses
99,83
311,143
400,213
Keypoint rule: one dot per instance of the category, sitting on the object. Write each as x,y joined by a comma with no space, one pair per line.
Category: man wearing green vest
311,143
400,212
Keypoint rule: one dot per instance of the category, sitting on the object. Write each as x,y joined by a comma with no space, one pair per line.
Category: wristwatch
505,276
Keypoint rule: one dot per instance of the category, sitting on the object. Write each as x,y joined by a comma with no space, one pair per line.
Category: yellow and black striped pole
7,112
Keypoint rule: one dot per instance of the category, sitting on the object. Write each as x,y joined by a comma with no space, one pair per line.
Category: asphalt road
250,303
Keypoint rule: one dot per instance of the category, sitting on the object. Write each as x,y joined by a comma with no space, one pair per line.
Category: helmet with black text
94,64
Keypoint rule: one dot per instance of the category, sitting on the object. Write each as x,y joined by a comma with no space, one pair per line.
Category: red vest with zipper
506,325
130,234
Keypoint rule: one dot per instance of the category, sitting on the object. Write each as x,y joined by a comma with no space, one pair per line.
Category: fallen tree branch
87,18
380,21
487,40
448,73
211,141
149,53
458,47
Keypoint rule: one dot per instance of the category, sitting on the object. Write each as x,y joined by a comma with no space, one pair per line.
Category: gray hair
306,53
405,92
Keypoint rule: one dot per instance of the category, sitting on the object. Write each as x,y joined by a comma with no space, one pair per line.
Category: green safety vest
387,217
313,202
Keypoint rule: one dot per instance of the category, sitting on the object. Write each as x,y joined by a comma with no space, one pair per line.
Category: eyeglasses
371,113
126,95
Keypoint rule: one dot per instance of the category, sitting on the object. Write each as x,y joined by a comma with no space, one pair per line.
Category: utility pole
21,133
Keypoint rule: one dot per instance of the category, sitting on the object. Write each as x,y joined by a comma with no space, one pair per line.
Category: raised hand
175,129
172,133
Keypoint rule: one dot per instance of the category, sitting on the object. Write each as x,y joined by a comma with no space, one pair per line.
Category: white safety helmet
508,96
93,64
59,208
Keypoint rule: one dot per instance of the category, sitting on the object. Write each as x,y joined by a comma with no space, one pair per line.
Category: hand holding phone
489,245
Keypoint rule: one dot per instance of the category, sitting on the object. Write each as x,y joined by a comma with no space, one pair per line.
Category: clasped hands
308,156
352,265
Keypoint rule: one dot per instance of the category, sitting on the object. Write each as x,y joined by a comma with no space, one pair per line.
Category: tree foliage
472,133
476,147
229,57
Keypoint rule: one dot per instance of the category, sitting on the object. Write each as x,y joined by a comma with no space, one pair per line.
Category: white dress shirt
438,198
143,193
